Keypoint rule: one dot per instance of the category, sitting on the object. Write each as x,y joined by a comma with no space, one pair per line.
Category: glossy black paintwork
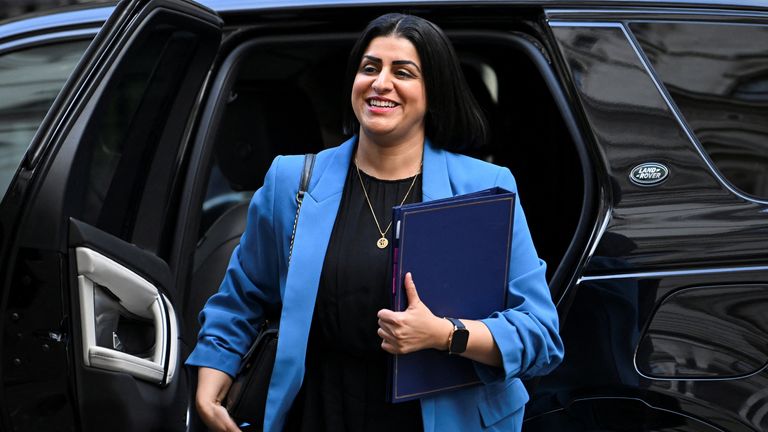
602,330
625,414
692,219
36,336
716,76
691,232
707,332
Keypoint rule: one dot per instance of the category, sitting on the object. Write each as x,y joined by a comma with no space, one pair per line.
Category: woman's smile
378,104
388,94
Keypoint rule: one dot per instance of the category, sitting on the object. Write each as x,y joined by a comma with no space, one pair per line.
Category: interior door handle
118,305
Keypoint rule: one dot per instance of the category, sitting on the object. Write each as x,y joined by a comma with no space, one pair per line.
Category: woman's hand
212,387
414,329
417,328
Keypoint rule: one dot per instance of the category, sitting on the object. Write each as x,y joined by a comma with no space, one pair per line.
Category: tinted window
129,155
29,81
717,74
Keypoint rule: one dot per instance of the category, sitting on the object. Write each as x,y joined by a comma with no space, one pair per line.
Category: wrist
459,338
443,334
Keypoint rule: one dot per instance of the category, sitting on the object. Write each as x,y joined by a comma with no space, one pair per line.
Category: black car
132,136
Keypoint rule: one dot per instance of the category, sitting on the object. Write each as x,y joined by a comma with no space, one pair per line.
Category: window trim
47,39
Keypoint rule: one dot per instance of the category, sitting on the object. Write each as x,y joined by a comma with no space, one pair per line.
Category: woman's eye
404,73
368,69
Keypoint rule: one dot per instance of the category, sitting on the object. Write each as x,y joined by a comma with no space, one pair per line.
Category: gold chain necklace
383,242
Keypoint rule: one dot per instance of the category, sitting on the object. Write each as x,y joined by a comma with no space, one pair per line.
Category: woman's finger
218,419
387,315
385,334
388,347
389,328
410,291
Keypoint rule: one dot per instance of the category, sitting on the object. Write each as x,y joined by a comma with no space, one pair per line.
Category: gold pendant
382,243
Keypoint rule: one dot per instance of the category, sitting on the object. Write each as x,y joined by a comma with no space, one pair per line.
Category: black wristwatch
457,341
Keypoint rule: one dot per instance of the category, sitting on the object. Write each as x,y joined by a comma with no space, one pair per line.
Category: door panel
88,220
114,300
126,344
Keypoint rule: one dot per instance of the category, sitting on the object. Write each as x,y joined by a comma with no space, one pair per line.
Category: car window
29,81
717,75
129,155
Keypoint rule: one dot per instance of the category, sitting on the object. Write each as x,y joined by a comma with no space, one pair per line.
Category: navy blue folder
458,252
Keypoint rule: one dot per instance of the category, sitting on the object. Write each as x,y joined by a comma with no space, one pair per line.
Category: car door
90,335
666,324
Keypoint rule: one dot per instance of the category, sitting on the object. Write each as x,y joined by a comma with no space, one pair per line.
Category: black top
344,386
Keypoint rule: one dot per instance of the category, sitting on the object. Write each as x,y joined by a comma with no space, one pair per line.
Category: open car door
90,336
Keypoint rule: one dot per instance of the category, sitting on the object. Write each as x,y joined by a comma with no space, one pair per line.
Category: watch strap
457,324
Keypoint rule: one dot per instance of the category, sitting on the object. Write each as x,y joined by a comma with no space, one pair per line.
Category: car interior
285,97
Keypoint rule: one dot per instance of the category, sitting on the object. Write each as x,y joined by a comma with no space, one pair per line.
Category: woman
409,105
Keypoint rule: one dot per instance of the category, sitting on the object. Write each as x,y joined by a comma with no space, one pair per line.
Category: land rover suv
132,136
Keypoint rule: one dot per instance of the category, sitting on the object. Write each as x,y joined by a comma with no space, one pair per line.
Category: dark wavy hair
453,120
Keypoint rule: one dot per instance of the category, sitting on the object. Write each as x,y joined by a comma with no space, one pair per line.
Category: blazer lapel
435,183
316,220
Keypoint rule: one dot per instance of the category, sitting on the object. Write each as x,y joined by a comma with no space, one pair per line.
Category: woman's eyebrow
396,62
402,62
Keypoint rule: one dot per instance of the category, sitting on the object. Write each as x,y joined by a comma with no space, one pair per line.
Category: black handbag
247,397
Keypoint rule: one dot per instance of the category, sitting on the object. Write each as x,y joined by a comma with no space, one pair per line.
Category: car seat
261,121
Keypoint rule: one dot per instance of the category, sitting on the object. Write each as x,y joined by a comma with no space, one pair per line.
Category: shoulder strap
306,175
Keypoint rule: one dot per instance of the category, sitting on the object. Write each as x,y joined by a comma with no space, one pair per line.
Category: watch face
459,341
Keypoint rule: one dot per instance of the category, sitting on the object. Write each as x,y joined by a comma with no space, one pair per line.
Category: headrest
261,121
484,99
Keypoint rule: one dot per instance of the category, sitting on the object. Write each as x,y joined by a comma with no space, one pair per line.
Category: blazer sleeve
230,318
526,333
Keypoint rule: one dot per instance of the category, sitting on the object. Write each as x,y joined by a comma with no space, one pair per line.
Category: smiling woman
388,95
408,103
429,63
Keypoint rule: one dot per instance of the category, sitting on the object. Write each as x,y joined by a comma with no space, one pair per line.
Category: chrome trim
653,183
600,232
670,273
719,13
559,23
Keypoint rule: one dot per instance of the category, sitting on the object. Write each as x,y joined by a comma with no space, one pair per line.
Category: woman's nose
383,83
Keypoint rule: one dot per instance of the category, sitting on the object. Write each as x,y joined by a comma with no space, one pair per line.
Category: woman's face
388,94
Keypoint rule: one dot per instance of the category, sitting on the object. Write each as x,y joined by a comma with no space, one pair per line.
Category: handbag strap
306,175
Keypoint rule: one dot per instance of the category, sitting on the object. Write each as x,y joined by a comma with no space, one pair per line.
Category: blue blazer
258,276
